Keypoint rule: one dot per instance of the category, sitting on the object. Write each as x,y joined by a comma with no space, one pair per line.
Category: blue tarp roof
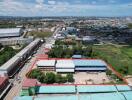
82,62
77,56
57,89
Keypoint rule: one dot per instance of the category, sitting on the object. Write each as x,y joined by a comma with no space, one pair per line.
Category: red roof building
3,83
45,56
29,83
46,50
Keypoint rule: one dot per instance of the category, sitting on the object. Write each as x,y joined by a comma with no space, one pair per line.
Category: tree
64,80
70,78
1,45
50,78
35,73
58,78
108,72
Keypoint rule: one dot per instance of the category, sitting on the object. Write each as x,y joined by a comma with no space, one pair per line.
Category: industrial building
13,65
65,66
46,65
16,40
72,65
81,92
89,65
10,32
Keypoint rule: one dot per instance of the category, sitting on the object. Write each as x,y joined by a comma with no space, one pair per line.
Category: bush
50,78
70,78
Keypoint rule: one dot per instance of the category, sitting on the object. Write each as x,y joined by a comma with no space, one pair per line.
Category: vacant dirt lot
91,78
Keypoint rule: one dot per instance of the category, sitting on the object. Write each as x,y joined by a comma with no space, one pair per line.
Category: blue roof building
77,56
89,65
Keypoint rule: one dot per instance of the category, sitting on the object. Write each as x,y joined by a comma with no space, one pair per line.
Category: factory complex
71,65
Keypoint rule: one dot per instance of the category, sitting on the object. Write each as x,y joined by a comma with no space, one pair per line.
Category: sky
108,8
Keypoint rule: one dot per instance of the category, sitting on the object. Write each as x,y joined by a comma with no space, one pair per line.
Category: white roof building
10,32
45,63
65,70
65,66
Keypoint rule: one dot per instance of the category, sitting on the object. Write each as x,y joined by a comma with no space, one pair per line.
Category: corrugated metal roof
65,64
9,64
65,70
56,89
67,97
23,98
94,88
128,95
102,96
123,88
9,30
46,63
83,62
90,69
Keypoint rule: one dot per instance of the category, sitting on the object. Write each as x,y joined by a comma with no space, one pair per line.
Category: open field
119,57
40,34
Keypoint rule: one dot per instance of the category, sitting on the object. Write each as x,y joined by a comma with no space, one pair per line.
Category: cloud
51,2
39,4
57,8
39,1
94,2
112,1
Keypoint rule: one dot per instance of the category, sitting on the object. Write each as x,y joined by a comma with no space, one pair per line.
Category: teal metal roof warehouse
56,89
95,96
102,88
81,92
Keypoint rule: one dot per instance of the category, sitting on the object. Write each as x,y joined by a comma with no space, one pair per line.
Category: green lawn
118,57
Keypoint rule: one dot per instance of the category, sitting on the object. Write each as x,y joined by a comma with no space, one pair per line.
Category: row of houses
71,65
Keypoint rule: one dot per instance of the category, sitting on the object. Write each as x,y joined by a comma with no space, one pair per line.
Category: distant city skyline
107,8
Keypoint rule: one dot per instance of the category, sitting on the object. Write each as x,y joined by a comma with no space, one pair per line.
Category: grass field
40,34
116,56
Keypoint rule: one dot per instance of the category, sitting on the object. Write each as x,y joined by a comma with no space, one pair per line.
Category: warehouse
46,65
72,65
89,65
14,64
10,32
16,40
65,66
81,92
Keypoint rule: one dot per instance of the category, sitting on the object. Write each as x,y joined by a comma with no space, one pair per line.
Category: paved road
17,84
